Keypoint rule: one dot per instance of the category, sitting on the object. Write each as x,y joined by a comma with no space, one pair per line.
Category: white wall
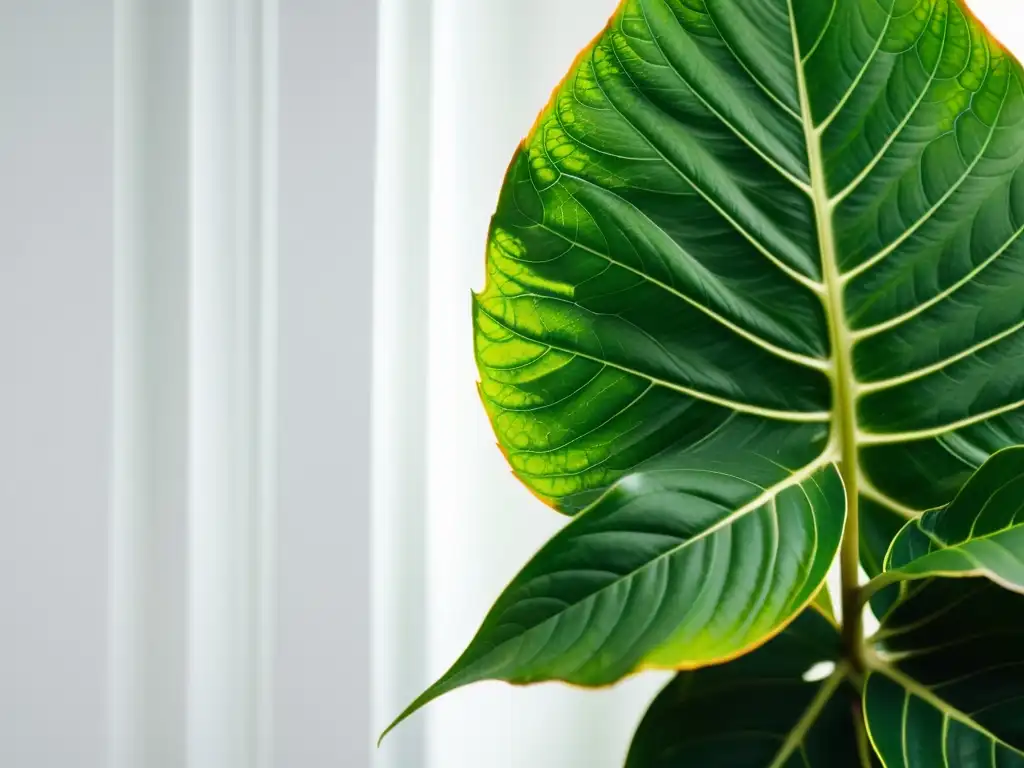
327,136
56,113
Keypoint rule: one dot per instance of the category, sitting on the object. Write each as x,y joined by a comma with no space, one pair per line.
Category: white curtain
195,430
238,596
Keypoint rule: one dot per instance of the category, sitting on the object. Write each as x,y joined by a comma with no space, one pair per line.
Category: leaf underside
954,696
746,243
949,690
758,711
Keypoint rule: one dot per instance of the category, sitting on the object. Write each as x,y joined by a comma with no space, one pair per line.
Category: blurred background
251,504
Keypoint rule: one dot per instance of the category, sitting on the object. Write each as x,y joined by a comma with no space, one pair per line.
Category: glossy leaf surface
630,586
714,216
954,694
747,240
759,711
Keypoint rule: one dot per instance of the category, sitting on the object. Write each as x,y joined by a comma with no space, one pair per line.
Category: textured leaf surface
954,695
758,712
712,217
745,240
980,533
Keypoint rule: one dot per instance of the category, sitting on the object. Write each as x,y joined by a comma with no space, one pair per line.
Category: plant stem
844,395
879,583
849,569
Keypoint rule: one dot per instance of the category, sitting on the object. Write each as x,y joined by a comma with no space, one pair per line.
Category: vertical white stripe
150,474
400,375
266,371
192,577
328,63
218,725
231,385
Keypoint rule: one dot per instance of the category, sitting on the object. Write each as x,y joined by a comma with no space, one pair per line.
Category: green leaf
980,533
952,690
696,220
758,710
630,585
747,240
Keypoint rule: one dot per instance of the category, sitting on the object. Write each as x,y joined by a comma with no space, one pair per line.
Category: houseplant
754,306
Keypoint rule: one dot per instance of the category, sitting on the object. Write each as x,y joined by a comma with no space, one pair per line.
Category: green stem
810,716
849,565
879,583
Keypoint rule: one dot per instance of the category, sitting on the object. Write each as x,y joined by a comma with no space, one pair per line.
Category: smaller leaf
979,533
675,568
758,711
950,691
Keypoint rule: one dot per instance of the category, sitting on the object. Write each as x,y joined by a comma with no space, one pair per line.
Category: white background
480,70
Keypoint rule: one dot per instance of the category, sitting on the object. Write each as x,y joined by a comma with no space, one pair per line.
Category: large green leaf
747,240
698,226
759,711
952,691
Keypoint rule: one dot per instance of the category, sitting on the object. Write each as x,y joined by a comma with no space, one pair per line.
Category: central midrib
844,413
844,409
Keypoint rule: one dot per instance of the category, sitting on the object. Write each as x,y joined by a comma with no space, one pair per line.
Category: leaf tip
406,714
388,730
435,691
